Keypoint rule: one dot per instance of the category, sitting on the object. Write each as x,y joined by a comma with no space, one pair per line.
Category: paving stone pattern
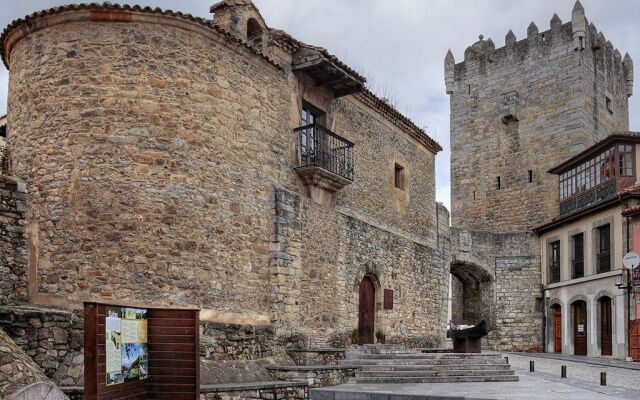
616,377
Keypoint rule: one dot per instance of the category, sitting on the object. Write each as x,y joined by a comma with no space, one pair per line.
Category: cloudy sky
400,44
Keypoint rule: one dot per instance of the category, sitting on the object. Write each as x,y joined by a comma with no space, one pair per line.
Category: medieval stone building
159,158
516,112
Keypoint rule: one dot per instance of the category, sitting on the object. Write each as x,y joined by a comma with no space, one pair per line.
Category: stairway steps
359,362
431,356
412,367
437,379
427,374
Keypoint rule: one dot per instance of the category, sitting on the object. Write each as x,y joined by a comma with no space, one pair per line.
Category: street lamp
628,287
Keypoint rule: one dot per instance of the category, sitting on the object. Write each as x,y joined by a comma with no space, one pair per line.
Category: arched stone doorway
366,311
472,294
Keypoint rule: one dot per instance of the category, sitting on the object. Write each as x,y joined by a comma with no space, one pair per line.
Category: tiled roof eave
29,24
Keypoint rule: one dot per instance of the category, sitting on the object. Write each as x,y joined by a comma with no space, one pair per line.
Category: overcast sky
400,44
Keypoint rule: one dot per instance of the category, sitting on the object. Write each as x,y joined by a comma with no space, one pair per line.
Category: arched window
254,33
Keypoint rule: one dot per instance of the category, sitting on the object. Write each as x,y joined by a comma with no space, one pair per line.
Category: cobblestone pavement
579,373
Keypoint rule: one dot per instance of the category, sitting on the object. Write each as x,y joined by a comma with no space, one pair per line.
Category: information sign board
136,353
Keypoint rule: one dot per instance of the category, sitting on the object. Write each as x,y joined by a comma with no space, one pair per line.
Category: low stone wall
316,356
13,240
52,338
314,375
256,391
17,369
237,342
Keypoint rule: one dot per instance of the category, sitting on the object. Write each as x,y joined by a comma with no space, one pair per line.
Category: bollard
603,379
563,371
532,367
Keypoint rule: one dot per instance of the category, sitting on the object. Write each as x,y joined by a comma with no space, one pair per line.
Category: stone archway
472,294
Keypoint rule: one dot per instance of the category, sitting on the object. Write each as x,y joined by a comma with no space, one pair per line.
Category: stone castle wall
172,183
13,240
509,291
527,106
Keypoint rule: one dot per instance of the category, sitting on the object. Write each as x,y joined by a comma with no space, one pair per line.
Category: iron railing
604,262
598,193
318,146
554,270
578,268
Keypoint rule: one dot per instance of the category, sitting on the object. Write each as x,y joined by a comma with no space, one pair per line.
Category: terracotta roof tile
28,20
290,44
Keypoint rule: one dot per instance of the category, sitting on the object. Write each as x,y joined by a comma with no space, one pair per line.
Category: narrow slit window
498,183
530,176
399,176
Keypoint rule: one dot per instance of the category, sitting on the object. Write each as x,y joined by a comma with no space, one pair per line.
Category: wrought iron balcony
554,272
598,193
324,158
603,262
578,268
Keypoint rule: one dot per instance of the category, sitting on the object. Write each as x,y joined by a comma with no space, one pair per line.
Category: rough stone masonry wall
321,286
557,95
13,240
167,140
53,338
17,369
512,261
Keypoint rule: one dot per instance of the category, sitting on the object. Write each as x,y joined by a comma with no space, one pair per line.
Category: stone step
412,361
427,374
412,367
437,379
432,356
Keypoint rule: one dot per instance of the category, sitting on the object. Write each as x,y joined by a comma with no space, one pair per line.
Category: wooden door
605,326
557,329
634,336
580,328
367,308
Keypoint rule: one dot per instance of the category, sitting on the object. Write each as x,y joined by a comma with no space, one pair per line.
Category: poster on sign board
126,349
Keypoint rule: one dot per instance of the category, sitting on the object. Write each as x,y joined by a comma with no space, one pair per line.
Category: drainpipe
628,324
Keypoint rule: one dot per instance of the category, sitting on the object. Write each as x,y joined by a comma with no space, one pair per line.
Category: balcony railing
319,147
603,261
578,268
554,273
601,192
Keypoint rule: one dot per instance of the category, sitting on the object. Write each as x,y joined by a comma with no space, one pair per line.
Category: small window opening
254,33
474,194
498,183
468,89
530,176
544,38
399,177
609,105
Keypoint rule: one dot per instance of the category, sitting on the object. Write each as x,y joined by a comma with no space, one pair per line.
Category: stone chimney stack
627,66
449,67
578,26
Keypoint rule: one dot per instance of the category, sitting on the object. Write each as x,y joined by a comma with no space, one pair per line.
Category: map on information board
127,357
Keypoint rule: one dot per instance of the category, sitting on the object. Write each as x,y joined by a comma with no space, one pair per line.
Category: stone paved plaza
583,382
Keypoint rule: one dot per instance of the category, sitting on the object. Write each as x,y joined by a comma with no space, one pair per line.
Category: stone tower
518,110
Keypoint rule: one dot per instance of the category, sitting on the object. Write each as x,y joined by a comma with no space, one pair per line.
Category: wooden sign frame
173,340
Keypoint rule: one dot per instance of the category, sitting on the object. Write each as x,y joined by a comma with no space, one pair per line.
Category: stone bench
314,375
255,390
318,356
237,391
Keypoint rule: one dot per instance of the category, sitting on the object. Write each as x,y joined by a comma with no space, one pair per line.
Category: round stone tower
147,139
